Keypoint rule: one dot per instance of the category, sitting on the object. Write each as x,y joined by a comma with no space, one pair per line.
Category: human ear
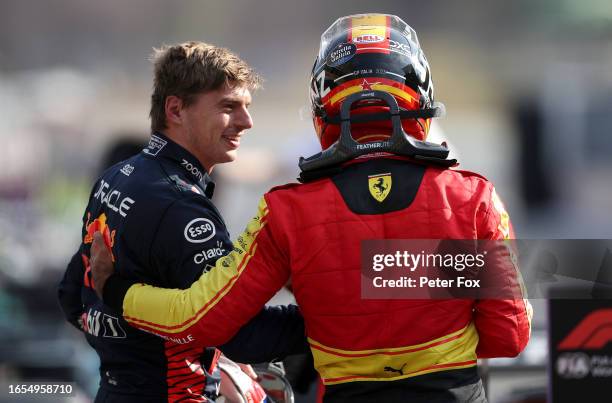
173,107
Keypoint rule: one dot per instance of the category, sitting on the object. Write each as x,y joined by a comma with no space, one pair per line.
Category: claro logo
199,230
592,333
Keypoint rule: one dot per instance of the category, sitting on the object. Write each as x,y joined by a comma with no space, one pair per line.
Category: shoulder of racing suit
285,186
171,222
386,184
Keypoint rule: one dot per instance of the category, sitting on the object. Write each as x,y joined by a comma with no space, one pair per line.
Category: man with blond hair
156,210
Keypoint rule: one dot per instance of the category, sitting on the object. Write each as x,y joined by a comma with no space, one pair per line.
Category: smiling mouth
233,141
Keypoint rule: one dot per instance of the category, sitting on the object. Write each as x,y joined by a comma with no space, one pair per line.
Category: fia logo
573,365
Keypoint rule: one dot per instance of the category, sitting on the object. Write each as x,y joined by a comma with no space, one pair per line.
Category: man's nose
244,120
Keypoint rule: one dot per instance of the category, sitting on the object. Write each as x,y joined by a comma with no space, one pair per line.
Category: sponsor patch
189,167
341,54
199,230
100,324
379,186
99,225
209,254
368,38
127,169
396,46
112,199
156,144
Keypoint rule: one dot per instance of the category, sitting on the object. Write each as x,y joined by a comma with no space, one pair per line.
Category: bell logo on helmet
380,186
368,38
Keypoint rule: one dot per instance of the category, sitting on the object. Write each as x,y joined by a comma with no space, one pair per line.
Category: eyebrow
233,101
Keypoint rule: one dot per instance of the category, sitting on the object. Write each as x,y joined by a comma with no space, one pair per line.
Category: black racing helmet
371,52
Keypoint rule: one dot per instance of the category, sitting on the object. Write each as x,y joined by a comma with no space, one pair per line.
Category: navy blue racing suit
155,210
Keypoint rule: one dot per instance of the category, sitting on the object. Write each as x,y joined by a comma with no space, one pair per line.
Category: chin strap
346,148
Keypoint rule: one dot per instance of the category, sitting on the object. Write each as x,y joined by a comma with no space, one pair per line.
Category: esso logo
199,230
368,38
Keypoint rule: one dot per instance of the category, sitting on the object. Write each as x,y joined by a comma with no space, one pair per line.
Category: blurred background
527,86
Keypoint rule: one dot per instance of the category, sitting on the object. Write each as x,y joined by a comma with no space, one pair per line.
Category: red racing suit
389,350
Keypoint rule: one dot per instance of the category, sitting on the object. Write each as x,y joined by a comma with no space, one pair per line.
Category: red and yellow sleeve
223,299
504,325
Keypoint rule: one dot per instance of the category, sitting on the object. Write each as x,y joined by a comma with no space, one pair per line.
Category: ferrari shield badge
380,186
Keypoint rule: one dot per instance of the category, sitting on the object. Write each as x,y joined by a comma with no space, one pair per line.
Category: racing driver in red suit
373,100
